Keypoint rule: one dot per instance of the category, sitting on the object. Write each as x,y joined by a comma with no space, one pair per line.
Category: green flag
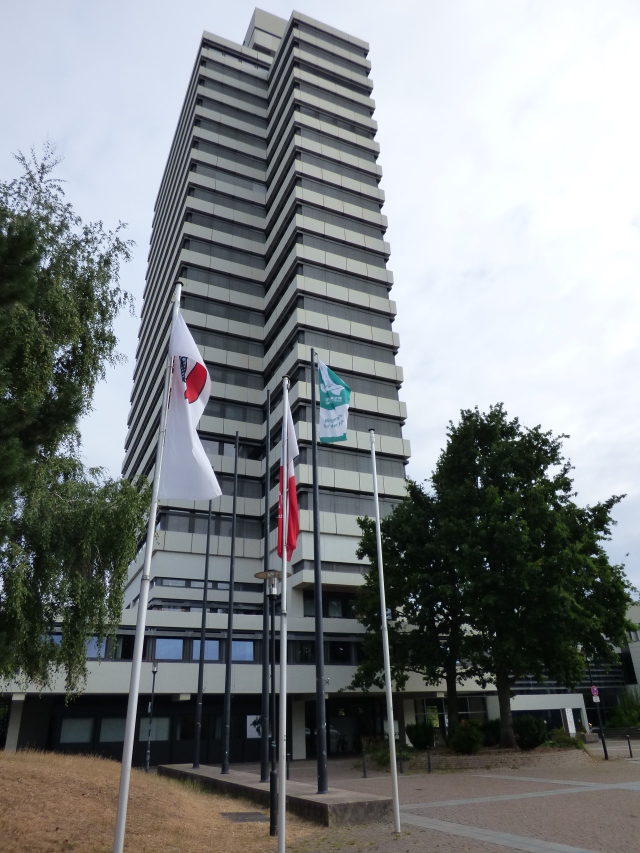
334,405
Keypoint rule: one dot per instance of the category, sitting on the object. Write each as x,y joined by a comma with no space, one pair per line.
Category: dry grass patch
52,803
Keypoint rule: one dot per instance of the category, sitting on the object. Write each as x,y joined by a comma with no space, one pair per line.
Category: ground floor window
76,730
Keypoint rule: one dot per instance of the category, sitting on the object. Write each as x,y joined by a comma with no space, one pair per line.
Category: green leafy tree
74,537
423,590
59,296
66,535
540,591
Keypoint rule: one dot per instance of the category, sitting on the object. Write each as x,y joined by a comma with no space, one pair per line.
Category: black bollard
401,765
288,766
630,751
364,762
428,760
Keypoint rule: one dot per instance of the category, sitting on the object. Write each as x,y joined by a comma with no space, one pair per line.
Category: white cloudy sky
511,155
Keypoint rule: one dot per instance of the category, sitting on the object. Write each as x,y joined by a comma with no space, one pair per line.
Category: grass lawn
52,803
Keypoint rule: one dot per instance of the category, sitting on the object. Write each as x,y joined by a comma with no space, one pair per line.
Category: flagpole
226,719
264,730
282,799
136,664
203,630
385,643
321,719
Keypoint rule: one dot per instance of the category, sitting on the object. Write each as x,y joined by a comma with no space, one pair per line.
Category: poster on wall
253,726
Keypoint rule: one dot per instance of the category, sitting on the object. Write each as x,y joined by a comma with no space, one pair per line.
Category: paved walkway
593,807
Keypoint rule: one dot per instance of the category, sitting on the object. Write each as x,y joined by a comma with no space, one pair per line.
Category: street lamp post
154,670
271,577
597,704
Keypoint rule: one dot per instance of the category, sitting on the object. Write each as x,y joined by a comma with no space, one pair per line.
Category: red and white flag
186,472
293,523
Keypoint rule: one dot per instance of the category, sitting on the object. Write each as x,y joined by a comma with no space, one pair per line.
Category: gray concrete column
298,739
15,718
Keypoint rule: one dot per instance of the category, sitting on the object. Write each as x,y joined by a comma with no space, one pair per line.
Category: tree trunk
507,737
452,698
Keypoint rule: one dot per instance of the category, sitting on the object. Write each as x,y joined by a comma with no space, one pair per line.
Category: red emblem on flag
194,380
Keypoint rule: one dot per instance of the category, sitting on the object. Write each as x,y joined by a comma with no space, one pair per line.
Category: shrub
467,739
491,732
530,731
628,711
422,735
558,737
379,753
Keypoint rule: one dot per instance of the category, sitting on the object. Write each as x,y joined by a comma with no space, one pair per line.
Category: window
335,605
330,247
225,253
218,309
349,346
327,118
303,651
233,156
234,411
160,727
242,650
76,730
346,504
169,648
247,528
225,227
226,282
239,115
362,285
241,378
340,169
218,199
345,312
93,650
185,727
327,97
246,488
228,449
211,650
338,144
228,177
124,647
112,729
346,460
238,94
227,343
338,652
425,712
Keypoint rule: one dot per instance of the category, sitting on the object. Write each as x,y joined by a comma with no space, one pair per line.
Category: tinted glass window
76,730
211,650
169,648
242,650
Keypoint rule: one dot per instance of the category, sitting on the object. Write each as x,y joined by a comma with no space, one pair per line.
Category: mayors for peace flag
334,405
186,472
293,523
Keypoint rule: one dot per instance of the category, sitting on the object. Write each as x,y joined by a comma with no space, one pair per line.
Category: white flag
186,472
335,395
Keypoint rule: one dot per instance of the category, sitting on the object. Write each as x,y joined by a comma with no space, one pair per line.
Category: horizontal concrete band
337,808
489,836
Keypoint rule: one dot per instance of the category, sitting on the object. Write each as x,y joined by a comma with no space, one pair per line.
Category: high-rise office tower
269,211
